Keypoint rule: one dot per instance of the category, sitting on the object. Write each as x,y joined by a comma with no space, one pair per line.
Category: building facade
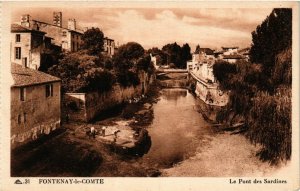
27,46
200,68
109,46
35,104
230,50
69,39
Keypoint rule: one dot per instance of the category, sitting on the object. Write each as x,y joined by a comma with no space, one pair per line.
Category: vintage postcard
161,95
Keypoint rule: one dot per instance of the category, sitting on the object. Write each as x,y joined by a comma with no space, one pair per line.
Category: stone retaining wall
86,106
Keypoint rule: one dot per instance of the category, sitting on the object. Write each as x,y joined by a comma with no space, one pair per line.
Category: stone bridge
161,71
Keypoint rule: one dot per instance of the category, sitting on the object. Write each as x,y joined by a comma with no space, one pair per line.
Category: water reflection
173,94
176,130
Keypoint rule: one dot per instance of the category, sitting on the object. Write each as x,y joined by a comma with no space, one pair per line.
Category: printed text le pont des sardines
257,181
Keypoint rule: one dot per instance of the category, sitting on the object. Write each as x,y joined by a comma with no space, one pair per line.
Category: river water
177,129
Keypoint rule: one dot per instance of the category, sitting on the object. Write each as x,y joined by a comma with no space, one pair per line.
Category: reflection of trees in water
173,94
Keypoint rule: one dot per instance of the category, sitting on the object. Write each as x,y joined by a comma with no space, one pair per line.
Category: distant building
35,104
109,46
154,61
233,58
230,50
201,69
245,52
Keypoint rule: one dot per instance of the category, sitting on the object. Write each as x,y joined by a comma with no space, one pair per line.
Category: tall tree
197,48
271,37
93,41
186,52
125,63
81,72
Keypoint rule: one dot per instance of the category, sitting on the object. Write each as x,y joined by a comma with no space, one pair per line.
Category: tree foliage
223,70
271,37
128,61
93,41
161,57
177,55
81,72
131,52
261,90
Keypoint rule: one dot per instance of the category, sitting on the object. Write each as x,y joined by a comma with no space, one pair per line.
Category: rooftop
19,28
207,51
27,77
231,47
41,22
233,56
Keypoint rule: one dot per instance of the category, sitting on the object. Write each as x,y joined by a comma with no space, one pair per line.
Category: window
24,62
18,38
18,52
22,94
64,33
25,115
49,90
19,119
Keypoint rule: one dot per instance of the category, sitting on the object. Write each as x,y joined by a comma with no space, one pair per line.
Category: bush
270,124
98,80
128,78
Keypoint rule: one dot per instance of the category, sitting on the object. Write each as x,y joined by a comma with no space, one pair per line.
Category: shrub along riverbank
260,90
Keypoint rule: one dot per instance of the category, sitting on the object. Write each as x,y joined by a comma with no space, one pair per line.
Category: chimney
72,24
25,20
85,29
57,19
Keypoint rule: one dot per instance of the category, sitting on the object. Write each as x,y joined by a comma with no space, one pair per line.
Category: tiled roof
50,24
244,51
233,56
207,51
106,38
19,28
230,47
27,77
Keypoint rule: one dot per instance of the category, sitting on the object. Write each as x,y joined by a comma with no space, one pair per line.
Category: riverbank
182,144
224,155
73,153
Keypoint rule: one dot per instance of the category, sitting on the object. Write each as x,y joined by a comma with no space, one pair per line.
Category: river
177,129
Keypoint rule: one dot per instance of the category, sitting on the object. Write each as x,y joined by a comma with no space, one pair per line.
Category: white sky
155,27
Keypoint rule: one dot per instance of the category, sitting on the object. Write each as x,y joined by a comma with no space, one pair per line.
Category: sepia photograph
152,90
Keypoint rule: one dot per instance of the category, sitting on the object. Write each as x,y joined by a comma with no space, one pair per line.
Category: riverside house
35,104
206,86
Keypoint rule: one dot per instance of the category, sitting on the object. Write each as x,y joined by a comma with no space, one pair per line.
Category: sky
155,27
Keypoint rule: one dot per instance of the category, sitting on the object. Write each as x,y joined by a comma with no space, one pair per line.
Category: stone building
206,86
27,46
35,104
233,58
230,50
69,39
109,46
